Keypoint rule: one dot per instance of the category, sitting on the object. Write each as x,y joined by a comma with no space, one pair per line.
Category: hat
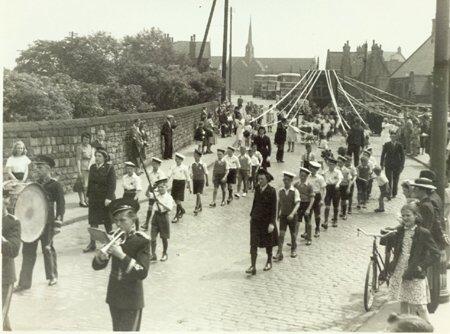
231,148
332,160
424,183
315,164
86,135
44,159
169,116
221,150
179,155
161,180
305,170
198,152
103,152
341,157
263,128
369,149
367,152
122,204
129,163
429,174
157,160
266,173
289,174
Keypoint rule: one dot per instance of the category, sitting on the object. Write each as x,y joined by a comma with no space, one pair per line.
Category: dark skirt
178,190
259,236
98,213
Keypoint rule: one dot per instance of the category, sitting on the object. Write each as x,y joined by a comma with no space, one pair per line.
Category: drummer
56,204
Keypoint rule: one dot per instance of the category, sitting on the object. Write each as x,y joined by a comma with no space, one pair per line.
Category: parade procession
153,174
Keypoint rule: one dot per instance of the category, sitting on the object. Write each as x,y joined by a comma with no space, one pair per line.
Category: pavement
203,285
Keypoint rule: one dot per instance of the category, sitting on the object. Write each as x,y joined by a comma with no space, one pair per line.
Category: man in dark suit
130,264
167,137
280,139
10,250
56,204
393,161
355,141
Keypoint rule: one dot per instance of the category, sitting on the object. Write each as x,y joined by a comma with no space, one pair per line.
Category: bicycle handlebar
360,230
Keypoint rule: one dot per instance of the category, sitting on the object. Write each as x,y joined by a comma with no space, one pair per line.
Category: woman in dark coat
263,228
263,146
100,192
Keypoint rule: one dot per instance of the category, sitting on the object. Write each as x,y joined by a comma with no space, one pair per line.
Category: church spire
249,51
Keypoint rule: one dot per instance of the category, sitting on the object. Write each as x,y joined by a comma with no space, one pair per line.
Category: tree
28,98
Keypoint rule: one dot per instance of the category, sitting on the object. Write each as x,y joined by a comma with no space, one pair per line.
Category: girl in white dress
17,164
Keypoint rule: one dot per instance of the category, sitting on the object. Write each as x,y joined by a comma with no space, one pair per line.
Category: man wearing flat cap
130,265
167,137
56,205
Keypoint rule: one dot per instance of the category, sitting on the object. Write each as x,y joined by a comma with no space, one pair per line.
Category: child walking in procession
344,188
291,137
307,157
180,178
243,171
414,251
159,218
155,174
132,186
351,179
255,159
362,181
318,186
288,204
383,184
306,192
199,175
233,165
333,179
220,174
371,162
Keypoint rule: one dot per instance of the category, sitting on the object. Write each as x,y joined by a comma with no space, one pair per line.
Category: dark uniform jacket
263,213
280,135
356,137
10,248
102,183
125,290
424,251
55,199
431,220
393,156
263,145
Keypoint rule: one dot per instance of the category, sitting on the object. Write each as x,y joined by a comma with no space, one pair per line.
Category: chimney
192,48
399,50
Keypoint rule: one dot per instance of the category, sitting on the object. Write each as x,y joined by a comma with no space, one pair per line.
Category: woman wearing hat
263,229
263,145
100,192
84,156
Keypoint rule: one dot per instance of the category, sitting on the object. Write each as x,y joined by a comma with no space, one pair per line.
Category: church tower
249,51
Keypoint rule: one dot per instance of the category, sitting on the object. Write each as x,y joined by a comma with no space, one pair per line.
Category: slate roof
182,47
273,65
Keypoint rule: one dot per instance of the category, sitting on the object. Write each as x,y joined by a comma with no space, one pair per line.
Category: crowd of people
325,190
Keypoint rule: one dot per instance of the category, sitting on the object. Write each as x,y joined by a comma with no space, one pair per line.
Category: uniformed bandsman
10,250
155,174
56,203
130,264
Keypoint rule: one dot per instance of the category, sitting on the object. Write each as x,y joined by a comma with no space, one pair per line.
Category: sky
281,28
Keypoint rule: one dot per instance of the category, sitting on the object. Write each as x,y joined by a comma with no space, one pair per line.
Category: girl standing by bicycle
414,251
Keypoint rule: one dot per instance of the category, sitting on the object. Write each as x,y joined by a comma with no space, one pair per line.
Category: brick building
192,50
245,68
373,66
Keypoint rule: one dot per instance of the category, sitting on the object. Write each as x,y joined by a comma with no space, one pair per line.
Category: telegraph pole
440,114
231,54
224,52
205,36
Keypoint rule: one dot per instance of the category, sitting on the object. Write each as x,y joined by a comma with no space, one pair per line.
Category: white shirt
256,159
317,183
296,193
333,177
381,180
232,162
180,172
165,200
18,164
132,182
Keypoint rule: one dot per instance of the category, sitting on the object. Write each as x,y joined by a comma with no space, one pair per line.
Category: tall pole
231,54
224,52
366,51
205,36
440,114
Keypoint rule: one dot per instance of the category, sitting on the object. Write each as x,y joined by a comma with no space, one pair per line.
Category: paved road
203,285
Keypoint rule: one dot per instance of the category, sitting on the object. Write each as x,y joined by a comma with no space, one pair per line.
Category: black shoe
278,257
325,226
144,227
153,258
378,210
90,247
212,205
175,220
268,266
344,217
199,209
229,200
164,258
316,234
293,254
304,236
251,270
19,288
334,223
52,281
308,242
358,207
223,203
349,212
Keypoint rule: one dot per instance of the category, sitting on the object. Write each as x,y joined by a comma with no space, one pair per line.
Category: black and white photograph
225,165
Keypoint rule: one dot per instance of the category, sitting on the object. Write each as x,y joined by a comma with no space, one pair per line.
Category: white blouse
18,164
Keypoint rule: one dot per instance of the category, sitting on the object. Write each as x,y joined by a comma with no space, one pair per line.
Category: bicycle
376,274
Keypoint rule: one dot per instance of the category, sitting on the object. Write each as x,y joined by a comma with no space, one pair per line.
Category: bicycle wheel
370,285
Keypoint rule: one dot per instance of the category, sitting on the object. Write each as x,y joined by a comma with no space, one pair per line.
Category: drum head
31,209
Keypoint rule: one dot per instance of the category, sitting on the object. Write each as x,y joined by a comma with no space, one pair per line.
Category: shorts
198,186
217,180
231,178
160,225
331,194
178,190
385,191
284,223
343,192
243,174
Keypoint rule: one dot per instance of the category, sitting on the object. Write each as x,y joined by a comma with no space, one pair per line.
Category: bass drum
29,204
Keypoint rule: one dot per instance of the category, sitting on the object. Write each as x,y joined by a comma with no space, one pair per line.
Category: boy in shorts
383,184
256,159
233,165
306,192
220,173
160,219
243,171
199,176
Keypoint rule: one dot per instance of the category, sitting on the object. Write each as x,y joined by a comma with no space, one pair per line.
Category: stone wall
59,139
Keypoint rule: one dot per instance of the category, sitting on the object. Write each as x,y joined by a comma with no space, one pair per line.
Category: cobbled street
203,285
